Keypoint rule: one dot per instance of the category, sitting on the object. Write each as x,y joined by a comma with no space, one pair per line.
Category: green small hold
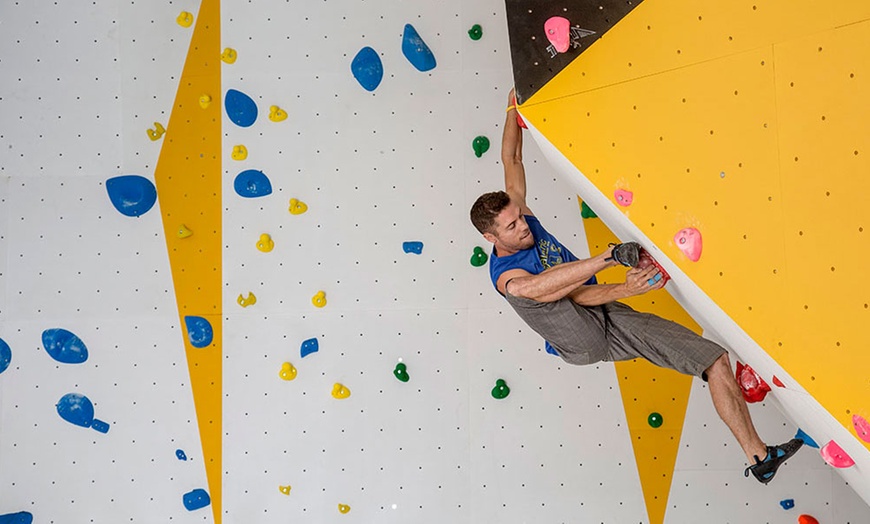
586,211
401,372
478,258
501,390
655,420
475,32
480,146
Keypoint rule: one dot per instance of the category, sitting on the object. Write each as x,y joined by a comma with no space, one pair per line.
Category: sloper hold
22,517
367,68
77,409
132,195
64,346
252,183
862,427
199,331
241,109
5,355
416,50
835,456
196,499
308,347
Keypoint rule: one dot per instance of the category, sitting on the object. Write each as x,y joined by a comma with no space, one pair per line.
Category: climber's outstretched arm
512,158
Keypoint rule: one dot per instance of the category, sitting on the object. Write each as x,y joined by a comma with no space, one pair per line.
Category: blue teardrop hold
179,453
196,499
132,195
5,355
76,409
252,184
64,346
416,50
241,109
308,347
22,517
367,68
199,331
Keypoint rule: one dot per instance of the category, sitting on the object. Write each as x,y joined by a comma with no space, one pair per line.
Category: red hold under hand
646,260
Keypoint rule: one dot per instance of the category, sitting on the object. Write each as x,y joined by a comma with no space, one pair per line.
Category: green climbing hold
478,258
501,390
586,211
480,146
475,32
655,420
401,372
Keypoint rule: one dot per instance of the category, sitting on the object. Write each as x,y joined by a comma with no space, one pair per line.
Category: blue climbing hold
413,247
787,503
196,499
806,438
308,347
179,453
241,109
132,195
416,50
199,331
5,355
64,347
77,409
252,184
367,68
22,517
550,349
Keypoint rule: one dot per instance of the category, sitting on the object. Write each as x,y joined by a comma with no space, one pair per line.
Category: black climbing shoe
627,254
764,470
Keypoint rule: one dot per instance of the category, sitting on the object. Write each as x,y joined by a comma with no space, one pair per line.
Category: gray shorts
612,332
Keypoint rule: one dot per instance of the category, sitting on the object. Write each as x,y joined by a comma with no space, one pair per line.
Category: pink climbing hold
862,427
688,240
623,197
835,456
753,386
558,33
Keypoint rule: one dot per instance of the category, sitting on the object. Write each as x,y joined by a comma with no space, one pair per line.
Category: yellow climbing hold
249,301
319,299
288,371
265,243
229,55
183,232
276,114
240,152
204,101
343,508
284,489
185,19
339,391
297,207
157,132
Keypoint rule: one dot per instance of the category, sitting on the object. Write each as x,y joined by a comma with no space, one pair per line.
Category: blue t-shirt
546,253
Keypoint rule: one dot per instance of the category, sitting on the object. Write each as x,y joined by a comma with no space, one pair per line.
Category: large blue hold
22,517
308,347
199,331
5,355
196,499
77,409
64,346
416,50
132,195
252,184
367,68
241,109
415,247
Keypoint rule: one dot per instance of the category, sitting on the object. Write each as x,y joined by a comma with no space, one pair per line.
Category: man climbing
557,296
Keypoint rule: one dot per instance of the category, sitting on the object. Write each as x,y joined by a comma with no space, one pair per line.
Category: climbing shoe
627,254
764,470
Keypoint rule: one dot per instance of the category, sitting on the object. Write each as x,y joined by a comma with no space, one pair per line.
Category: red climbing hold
777,382
513,105
753,386
806,519
646,260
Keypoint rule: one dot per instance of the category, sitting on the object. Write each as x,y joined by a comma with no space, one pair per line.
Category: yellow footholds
288,372
276,114
265,244
204,101
183,232
229,55
339,391
185,19
284,489
245,302
319,299
240,152
343,508
297,207
157,132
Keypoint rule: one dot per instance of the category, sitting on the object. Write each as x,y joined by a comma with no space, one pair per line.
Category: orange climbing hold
806,519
